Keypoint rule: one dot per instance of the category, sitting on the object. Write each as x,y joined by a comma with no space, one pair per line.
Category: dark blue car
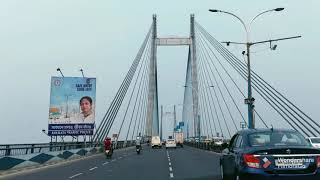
269,154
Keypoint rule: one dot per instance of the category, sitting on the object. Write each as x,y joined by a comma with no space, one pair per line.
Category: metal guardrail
206,146
23,149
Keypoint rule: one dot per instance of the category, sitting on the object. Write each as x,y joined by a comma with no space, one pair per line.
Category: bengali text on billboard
72,106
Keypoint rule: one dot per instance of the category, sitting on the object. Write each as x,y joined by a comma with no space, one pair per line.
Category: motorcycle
108,153
138,149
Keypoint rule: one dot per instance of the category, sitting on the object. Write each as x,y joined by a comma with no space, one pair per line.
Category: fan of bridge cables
222,79
126,115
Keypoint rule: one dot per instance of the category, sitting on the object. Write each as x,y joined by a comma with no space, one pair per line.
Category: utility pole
199,128
250,100
161,119
174,117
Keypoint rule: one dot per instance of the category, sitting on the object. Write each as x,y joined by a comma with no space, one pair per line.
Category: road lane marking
105,163
75,175
113,160
170,168
57,164
93,168
171,175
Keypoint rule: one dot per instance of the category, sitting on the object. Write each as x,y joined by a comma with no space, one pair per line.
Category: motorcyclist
108,144
138,142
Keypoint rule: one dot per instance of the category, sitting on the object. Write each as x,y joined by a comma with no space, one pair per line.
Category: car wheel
224,176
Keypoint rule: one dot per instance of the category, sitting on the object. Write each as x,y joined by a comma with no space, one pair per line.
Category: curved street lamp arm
242,22
270,10
260,15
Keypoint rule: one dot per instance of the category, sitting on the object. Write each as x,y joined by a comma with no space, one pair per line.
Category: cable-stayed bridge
214,105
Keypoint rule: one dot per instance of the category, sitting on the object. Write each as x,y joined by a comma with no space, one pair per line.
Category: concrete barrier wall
19,161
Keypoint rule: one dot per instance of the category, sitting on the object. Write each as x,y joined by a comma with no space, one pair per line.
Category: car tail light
318,161
251,161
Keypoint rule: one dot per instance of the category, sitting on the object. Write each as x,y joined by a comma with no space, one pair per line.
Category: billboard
72,106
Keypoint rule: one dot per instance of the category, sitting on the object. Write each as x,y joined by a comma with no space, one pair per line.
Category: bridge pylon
152,123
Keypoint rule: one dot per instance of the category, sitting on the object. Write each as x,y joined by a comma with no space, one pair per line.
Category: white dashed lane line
171,175
93,168
71,177
170,168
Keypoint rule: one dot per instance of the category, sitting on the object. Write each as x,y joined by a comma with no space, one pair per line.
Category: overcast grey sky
103,37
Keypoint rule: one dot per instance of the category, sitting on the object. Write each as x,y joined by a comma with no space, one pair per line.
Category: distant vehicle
315,141
138,144
138,149
269,153
218,141
207,140
179,138
163,142
155,142
171,143
202,138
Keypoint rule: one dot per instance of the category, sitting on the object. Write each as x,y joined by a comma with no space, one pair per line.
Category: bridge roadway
152,164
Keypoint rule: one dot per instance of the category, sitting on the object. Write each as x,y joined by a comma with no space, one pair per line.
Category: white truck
178,136
156,142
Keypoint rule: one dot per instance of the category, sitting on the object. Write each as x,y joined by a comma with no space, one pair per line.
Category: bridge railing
23,149
207,146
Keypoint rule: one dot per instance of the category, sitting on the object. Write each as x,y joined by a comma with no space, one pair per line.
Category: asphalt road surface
152,164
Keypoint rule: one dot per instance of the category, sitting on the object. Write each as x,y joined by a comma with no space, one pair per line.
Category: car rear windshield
277,138
315,140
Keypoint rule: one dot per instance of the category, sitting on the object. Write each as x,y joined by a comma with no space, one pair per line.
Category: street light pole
161,121
81,70
250,99
58,69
